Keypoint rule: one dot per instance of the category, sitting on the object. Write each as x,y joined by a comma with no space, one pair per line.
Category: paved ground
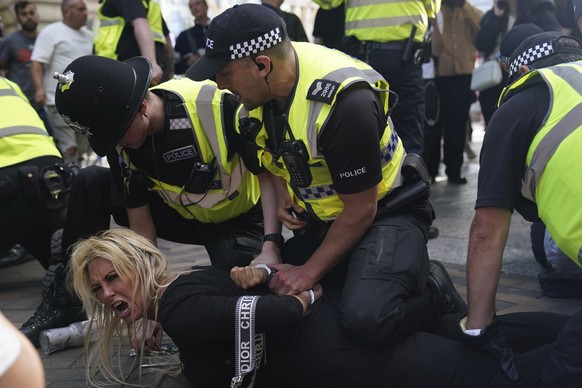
20,286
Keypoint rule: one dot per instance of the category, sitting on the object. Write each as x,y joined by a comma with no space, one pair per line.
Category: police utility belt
415,188
50,183
412,51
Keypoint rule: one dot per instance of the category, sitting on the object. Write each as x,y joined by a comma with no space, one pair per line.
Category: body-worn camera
295,157
201,176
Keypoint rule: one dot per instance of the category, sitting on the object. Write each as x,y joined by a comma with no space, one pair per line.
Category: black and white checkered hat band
532,54
256,45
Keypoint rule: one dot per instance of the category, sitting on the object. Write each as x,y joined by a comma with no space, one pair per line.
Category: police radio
295,157
201,176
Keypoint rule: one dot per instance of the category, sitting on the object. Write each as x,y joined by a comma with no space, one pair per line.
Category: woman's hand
248,277
149,335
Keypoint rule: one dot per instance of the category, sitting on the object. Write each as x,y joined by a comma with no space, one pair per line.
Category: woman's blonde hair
135,259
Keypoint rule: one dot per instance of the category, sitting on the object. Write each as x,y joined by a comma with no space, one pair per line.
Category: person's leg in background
405,79
455,103
65,137
432,132
468,136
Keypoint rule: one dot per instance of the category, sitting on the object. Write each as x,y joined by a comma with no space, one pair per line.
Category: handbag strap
249,347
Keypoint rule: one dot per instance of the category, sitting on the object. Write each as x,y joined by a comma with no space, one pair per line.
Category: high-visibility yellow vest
239,189
307,118
385,21
110,29
552,177
22,133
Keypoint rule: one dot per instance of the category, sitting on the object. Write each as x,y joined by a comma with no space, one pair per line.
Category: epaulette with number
323,90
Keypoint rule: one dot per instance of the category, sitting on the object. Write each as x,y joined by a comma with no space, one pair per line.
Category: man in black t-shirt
317,120
524,151
143,33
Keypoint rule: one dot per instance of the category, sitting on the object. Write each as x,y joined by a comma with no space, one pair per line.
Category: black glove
492,342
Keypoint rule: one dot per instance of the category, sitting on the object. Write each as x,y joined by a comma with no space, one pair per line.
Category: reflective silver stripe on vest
21,130
8,92
383,22
324,191
552,140
158,36
369,75
109,22
11,92
362,3
206,115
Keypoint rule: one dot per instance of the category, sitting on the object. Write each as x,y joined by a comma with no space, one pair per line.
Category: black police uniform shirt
503,154
169,156
130,10
350,141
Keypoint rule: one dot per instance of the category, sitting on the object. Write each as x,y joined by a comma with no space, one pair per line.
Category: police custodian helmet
99,97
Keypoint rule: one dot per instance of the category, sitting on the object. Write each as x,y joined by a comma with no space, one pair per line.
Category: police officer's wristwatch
277,238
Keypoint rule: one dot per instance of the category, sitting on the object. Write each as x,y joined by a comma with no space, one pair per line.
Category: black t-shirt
198,312
505,145
350,141
171,155
127,46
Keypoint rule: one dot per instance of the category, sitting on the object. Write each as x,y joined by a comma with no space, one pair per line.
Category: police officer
34,187
395,46
130,28
318,122
390,36
174,171
530,162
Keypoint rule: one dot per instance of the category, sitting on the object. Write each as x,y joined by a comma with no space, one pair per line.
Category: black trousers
455,102
384,278
432,357
405,79
29,218
230,243
564,369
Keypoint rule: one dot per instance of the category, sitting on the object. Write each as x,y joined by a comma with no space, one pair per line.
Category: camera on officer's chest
201,177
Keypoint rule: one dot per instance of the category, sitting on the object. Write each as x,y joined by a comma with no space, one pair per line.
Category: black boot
58,308
443,292
15,256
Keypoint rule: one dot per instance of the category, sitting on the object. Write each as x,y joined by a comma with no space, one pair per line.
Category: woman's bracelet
311,296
